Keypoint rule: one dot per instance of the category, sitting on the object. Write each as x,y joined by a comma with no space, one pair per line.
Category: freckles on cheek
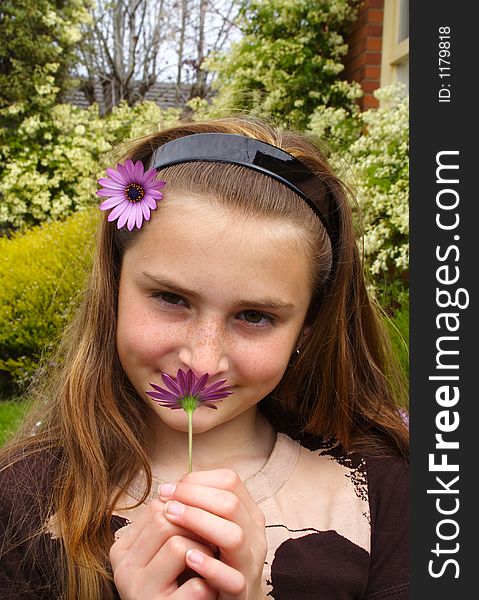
142,342
265,363
134,338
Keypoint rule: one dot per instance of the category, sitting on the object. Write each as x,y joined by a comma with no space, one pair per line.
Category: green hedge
42,274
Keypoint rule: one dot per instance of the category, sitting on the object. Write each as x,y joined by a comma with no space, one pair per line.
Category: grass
11,414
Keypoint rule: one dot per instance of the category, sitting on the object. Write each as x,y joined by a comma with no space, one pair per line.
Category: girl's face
208,290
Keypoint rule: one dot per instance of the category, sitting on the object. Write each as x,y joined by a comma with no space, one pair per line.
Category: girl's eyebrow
171,285
266,303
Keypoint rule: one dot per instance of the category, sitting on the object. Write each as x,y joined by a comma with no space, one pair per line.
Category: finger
225,479
195,589
160,577
130,532
170,561
228,536
227,580
136,532
145,539
222,503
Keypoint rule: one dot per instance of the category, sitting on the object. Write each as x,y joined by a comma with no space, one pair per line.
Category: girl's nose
205,352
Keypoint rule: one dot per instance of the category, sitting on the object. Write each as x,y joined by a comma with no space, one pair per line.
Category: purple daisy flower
187,391
132,193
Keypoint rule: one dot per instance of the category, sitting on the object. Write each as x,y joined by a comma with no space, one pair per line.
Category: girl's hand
216,506
149,556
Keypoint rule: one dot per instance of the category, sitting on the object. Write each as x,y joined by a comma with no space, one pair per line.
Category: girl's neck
243,444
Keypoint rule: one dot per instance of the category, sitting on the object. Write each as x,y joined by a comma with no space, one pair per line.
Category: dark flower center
134,192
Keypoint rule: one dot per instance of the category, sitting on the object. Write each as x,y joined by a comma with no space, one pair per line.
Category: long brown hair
344,383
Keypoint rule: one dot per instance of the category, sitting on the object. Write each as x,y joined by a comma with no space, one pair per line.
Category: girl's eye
170,298
257,318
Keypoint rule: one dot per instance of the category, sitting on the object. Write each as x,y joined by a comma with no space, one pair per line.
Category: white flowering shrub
370,151
49,165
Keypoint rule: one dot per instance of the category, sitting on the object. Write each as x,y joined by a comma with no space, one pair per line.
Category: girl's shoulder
376,466
26,549
358,495
330,475
379,471
350,507
381,481
373,492
33,462
26,480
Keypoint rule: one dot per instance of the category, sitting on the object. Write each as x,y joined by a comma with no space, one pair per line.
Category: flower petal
182,382
123,174
116,175
139,215
118,210
154,194
130,170
155,386
163,396
139,170
155,184
112,185
199,384
150,201
171,384
146,210
190,380
132,219
150,174
123,218
111,202
214,396
106,192
214,387
167,404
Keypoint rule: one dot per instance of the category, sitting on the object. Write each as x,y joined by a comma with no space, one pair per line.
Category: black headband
257,155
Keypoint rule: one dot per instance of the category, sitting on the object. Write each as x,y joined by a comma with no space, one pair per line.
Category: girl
243,267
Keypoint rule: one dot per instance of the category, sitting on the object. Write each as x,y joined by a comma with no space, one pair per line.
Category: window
395,46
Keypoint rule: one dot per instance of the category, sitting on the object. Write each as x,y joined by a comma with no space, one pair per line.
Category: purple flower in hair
132,193
187,391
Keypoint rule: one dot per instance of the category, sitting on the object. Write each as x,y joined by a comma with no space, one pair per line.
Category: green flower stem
189,404
190,440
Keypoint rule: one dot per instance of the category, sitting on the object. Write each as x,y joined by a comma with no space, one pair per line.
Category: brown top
336,525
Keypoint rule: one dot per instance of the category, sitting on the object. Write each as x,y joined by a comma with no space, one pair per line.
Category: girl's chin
203,418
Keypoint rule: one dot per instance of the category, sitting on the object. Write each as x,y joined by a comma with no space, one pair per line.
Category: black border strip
444,356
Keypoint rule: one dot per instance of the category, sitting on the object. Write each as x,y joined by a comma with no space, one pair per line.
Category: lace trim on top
262,485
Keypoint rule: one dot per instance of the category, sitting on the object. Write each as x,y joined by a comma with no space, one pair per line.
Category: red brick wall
363,62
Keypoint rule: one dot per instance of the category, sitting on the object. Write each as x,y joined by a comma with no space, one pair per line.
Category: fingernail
195,557
166,490
174,508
